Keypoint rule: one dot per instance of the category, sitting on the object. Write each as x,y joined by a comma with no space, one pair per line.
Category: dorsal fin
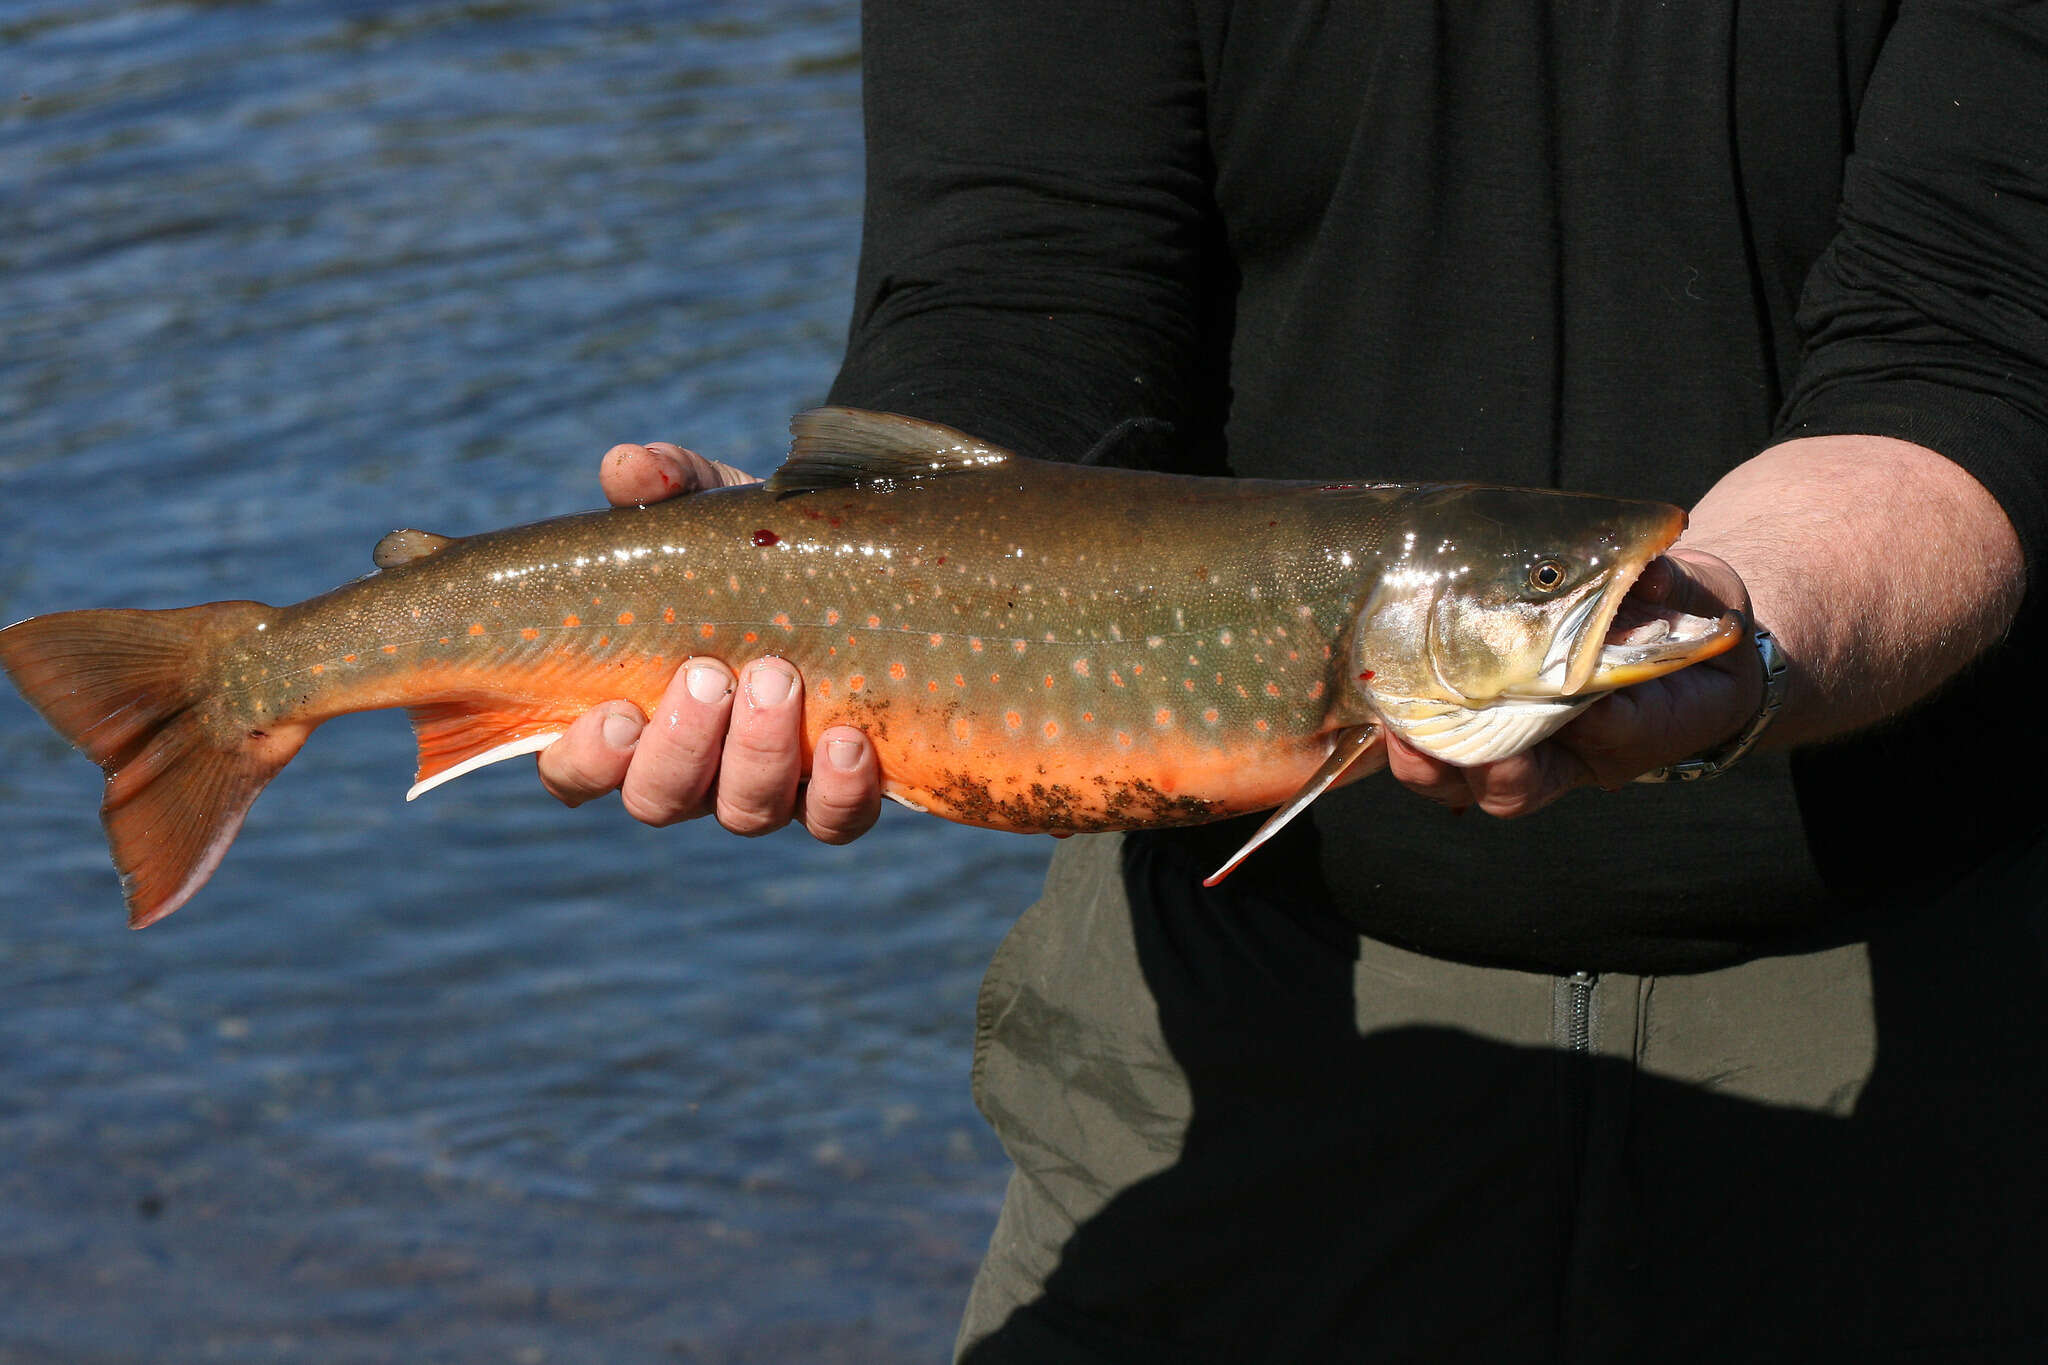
849,448
404,546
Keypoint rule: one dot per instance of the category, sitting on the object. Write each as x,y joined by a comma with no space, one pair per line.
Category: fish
1030,646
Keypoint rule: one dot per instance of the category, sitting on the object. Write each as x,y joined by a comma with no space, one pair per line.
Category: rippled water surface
475,1079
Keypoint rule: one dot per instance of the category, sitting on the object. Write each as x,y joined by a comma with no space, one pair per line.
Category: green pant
1243,1133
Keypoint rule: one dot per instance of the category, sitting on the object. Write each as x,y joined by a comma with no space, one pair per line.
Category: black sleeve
1037,206
1927,317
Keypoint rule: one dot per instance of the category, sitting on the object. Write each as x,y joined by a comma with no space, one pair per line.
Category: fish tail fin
127,688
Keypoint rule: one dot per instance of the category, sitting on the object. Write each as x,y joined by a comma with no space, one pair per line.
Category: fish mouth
1622,640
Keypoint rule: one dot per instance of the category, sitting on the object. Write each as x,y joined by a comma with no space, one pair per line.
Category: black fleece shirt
1616,247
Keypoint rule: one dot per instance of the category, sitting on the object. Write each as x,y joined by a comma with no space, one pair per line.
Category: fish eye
1546,575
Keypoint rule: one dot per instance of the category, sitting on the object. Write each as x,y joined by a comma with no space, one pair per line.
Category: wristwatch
1719,760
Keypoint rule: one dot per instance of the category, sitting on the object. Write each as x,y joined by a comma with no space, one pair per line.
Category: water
475,1079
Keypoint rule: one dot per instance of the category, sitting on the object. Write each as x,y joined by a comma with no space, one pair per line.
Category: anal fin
1352,745
458,737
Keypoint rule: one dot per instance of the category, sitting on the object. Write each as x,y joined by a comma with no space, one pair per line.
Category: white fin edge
532,744
906,802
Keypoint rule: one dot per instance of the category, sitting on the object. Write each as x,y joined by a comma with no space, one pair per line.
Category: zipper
1579,1012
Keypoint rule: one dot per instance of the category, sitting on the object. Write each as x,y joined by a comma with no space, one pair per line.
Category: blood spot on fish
940,560
625,618
897,671
572,621
1366,676
765,537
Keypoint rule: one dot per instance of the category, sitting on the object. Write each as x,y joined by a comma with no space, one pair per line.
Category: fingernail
621,731
844,754
708,684
767,685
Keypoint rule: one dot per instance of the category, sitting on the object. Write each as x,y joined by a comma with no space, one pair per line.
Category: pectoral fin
1351,746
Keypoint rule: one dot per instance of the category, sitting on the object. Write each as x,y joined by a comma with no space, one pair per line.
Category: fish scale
1030,647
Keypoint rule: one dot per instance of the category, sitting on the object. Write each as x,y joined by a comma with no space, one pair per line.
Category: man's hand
1627,732
716,744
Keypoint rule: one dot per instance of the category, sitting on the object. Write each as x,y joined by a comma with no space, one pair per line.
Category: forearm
1881,567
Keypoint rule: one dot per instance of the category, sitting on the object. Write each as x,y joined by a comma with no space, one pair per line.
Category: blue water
475,1079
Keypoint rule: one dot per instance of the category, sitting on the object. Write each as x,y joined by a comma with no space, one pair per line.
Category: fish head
1511,613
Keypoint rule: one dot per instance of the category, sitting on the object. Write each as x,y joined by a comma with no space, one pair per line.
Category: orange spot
1224,638
995,677
1116,679
823,687
706,631
668,615
1081,668
1260,726
831,618
1048,680
1052,730
874,622
625,618
603,640
1188,684
444,639
932,686
897,671
1212,715
935,641
1272,689
856,682
476,627
959,680
689,575
529,634
1137,670
974,645
1162,717
1241,692
750,637
1013,720
319,669
391,649
782,619
1123,739
1088,716
572,621
1019,646
1315,691
961,731
348,658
